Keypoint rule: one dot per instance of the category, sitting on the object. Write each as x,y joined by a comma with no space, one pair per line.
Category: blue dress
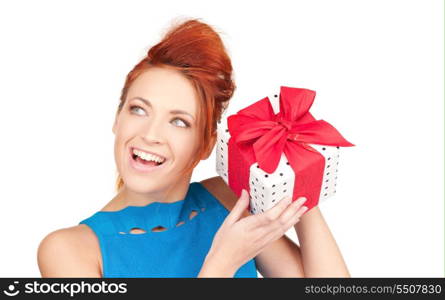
178,251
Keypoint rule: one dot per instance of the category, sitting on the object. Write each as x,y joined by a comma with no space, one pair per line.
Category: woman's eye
183,122
137,107
133,107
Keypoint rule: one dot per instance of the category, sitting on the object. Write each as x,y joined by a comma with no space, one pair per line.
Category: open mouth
145,162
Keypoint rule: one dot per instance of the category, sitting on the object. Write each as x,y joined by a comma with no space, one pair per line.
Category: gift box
275,148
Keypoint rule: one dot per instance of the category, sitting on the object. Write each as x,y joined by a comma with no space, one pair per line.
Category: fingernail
304,208
302,200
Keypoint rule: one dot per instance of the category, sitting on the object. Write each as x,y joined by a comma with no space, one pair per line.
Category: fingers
289,218
295,209
275,222
289,215
274,212
239,208
296,218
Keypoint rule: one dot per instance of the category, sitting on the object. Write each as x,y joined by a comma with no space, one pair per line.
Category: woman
161,225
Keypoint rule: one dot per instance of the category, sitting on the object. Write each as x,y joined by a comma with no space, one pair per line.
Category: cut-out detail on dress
193,214
137,230
140,255
158,228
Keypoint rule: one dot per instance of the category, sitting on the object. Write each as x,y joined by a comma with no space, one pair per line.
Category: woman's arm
320,254
69,252
212,267
281,258
317,256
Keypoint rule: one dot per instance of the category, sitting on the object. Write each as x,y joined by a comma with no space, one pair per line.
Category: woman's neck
127,197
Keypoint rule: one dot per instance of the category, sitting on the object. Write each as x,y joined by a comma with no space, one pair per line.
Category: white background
377,68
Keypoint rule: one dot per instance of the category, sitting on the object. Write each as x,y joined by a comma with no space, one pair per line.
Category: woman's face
165,125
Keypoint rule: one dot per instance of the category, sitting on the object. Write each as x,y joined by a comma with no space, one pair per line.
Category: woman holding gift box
160,224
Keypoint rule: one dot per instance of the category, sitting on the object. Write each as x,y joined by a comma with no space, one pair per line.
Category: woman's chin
142,187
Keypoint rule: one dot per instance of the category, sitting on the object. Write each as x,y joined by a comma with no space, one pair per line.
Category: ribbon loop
259,135
270,135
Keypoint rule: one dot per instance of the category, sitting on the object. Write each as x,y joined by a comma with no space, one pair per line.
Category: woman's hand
239,239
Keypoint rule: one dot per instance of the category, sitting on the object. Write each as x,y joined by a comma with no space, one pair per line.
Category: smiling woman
194,68
150,127
164,125
160,224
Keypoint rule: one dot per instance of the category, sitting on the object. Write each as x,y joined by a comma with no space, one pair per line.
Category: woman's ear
114,127
210,147
115,123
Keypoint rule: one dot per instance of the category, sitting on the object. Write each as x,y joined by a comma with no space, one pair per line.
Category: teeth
147,156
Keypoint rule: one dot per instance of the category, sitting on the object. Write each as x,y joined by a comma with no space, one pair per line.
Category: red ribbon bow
290,131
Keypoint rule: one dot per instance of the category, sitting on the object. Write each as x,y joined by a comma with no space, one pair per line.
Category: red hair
196,50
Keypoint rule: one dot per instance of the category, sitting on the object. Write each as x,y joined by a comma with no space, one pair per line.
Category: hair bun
198,49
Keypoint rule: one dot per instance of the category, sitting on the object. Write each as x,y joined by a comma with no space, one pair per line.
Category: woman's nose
153,132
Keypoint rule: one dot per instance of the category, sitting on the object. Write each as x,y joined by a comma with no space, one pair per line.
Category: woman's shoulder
222,192
70,252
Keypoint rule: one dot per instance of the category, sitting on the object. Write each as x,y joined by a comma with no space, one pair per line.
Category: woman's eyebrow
174,111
